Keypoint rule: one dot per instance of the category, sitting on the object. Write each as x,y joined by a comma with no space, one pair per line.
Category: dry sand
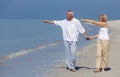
86,58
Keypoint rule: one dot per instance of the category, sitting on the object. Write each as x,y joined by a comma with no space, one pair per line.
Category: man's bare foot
96,71
73,70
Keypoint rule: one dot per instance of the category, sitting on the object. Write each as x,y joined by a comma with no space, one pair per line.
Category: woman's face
100,19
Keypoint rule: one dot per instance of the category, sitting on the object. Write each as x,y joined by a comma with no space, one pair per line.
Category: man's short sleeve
59,23
80,27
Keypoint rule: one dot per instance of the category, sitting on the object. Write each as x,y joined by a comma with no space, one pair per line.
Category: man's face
69,15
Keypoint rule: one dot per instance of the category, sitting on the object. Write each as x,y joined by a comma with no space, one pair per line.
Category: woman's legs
99,56
105,51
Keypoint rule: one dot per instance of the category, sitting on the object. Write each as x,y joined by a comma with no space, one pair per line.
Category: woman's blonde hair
103,17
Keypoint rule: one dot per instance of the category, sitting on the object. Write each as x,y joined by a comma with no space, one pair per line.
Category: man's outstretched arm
48,21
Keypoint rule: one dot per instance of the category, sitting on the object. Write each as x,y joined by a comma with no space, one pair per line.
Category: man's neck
70,19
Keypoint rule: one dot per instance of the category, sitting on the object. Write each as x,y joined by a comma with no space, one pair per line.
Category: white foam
23,52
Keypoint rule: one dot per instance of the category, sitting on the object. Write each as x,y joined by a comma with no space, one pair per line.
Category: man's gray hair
71,12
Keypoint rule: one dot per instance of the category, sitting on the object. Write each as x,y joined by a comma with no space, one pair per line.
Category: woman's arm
103,24
94,36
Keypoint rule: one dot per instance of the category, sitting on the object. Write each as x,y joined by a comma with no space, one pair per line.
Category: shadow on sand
83,67
77,68
80,67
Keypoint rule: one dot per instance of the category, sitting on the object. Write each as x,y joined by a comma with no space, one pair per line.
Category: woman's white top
103,34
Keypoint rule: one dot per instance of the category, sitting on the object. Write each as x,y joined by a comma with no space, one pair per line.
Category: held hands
87,37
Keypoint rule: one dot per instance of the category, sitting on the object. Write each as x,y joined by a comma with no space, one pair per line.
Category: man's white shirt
70,29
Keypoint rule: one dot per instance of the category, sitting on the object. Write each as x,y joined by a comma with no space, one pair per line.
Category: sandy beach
86,57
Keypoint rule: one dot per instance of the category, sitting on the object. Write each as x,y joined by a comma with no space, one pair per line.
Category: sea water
28,47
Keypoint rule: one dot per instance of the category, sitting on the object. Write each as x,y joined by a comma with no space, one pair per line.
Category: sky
55,9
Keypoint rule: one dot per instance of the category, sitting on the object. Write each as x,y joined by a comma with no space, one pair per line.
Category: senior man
71,27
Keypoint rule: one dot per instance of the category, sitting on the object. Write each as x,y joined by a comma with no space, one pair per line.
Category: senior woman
102,42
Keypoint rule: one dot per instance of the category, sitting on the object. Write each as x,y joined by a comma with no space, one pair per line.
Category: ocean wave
26,51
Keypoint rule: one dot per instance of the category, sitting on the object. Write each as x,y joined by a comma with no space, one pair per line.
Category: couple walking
71,27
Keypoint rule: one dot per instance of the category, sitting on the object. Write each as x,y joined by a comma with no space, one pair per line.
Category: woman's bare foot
96,71
103,69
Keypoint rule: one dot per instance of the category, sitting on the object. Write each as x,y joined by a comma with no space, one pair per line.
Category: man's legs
73,47
67,54
70,48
